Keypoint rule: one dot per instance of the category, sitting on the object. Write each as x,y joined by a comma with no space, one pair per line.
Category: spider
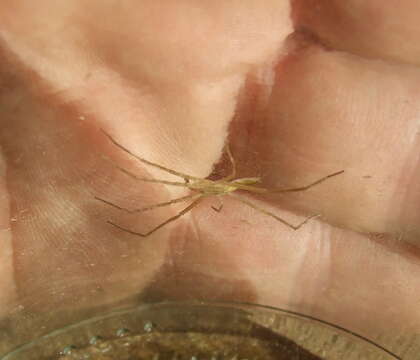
203,188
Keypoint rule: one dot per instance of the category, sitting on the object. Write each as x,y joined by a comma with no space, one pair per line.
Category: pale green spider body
220,187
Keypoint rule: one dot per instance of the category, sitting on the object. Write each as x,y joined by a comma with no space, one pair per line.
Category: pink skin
167,79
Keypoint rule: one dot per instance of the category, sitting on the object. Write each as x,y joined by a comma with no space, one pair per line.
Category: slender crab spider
203,188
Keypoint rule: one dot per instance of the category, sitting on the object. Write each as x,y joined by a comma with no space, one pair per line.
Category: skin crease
171,81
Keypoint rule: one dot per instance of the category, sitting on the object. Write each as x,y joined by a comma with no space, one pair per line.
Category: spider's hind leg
146,208
269,213
171,219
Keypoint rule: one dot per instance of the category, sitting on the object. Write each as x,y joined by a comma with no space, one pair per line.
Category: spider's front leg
305,187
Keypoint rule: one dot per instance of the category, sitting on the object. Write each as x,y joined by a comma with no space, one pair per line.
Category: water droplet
106,348
95,339
122,332
68,350
148,326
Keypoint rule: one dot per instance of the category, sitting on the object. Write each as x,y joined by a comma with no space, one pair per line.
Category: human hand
167,80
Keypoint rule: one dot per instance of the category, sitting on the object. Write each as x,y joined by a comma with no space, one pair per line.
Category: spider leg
170,171
266,212
220,207
306,187
146,208
232,175
173,218
134,176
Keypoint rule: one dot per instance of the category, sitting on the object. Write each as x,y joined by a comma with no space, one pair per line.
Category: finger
373,29
333,111
338,275
167,96
61,246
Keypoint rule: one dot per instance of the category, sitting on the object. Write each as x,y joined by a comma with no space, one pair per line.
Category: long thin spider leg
261,190
266,212
232,175
170,171
220,207
173,218
146,208
175,183
134,176
306,187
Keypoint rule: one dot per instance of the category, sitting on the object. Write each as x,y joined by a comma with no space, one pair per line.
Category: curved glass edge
238,305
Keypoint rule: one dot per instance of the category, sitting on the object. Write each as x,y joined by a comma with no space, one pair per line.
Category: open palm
298,91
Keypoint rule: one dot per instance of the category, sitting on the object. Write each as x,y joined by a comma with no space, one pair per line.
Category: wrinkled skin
299,90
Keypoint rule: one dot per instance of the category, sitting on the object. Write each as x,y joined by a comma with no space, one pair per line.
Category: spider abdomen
209,187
